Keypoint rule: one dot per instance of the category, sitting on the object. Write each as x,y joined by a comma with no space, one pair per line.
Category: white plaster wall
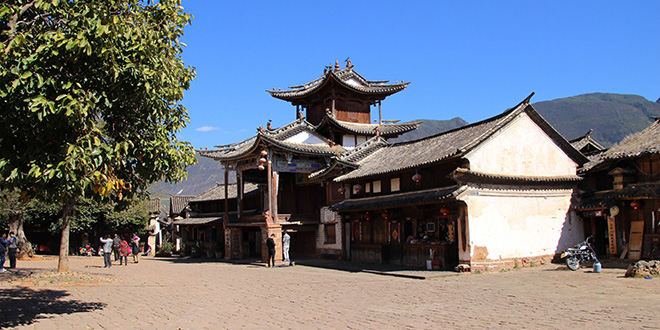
305,137
521,148
516,224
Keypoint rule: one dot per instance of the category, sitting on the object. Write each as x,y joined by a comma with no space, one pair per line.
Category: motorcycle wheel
573,263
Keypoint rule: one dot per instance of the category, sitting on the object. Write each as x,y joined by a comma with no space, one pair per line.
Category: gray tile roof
218,192
607,198
199,221
398,200
645,142
462,175
639,144
346,77
178,203
582,143
395,157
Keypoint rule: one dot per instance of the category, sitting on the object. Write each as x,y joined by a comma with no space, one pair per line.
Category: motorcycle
582,252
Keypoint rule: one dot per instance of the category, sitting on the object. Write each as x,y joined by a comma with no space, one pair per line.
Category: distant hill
611,116
430,127
202,176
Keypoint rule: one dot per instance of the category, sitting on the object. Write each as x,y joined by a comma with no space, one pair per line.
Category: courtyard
173,293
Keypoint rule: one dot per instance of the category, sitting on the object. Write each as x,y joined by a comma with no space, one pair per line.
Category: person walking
286,240
270,243
135,248
116,242
3,243
124,251
12,249
107,251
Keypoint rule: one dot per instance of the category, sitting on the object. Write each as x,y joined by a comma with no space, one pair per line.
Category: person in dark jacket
3,243
270,243
116,242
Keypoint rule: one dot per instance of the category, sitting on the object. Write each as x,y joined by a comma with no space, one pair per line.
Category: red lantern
261,167
386,216
264,153
357,188
635,205
262,160
341,191
367,216
418,179
444,210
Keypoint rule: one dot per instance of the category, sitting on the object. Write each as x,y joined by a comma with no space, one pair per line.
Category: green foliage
90,94
166,247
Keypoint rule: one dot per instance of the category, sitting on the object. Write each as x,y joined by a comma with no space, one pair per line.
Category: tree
12,209
90,94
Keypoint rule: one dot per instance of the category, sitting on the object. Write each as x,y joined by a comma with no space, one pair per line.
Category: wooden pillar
276,184
226,193
380,113
269,174
239,193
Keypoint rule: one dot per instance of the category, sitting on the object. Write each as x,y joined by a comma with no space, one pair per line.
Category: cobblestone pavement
204,294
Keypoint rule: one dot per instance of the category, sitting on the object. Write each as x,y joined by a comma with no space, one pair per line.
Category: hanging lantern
386,216
342,191
444,210
262,160
367,216
418,179
261,167
357,188
264,153
635,205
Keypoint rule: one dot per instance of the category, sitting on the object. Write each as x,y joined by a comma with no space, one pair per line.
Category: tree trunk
16,226
63,263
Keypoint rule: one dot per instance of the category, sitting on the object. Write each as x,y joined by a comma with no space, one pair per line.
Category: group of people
8,246
286,243
121,250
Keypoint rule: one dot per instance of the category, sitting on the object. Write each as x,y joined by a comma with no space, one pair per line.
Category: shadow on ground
24,306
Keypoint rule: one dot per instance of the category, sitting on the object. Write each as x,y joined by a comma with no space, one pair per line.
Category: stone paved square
176,293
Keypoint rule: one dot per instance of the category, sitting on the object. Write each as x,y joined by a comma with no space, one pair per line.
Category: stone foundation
644,269
508,264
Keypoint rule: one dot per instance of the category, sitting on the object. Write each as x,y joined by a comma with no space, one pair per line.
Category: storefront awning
398,200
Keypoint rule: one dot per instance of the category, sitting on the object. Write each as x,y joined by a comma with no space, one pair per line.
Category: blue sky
464,59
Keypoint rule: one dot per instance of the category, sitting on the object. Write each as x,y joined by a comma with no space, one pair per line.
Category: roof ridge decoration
364,149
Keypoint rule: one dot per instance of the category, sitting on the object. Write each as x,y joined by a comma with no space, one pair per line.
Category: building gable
521,148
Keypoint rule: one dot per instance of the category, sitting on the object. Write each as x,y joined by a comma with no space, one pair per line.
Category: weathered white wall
305,137
516,224
329,217
521,148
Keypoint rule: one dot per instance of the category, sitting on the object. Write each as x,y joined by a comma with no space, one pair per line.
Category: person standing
116,242
13,247
270,243
135,248
124,251
3,243
107,251
286,240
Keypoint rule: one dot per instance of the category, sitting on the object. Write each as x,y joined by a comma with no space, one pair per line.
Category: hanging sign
611,229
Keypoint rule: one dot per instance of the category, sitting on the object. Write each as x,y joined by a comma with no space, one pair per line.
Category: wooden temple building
488,195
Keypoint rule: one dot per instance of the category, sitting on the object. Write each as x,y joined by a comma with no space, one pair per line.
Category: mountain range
611,116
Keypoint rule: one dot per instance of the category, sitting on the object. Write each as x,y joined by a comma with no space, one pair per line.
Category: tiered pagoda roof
586,144
281,138
345,77
329,122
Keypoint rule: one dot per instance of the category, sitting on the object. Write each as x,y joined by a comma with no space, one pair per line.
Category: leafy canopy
89,97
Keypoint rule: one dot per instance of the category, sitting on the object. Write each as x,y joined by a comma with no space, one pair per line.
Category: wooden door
636,237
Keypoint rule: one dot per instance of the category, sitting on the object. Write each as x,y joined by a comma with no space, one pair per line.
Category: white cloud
206,128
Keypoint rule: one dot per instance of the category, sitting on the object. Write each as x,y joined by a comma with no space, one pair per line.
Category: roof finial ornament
348,63
268,125
300,114
529,98
336,65
325,70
